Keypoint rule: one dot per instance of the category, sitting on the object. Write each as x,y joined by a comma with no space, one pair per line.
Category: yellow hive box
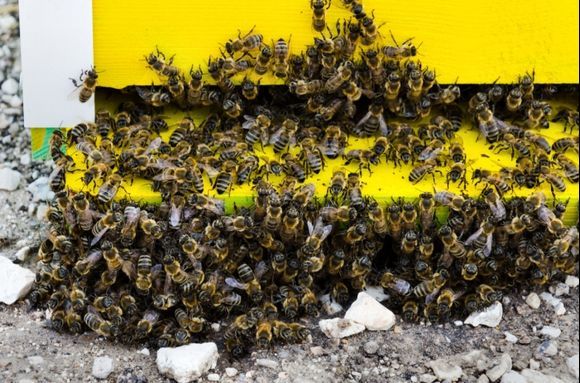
465,42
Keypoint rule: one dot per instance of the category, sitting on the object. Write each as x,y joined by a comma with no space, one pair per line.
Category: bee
355,233
257,129
318,13
290,303
569,167
224,179
232,108
293,168
343,74
548,218
426,211
452,245
263,60
155,98
420,171
399,52
526,84
447,95
249,89
365,158
283,135
372,122
391,282
487,294
428,287
333,142
446,300
304,88
280,66
159,63
87,82
96,323
562,145
570,117
264,334
318,232
245,44
108,222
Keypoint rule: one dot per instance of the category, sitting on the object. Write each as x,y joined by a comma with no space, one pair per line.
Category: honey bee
487,294
108,222
355,233
372,122
290,303
432,285
158,62
570,117
244,44
343,74
334,142
391,282
87,82
317,235
318,13
155,98
280,66
96,323
514,99
109,188
420,171
283,135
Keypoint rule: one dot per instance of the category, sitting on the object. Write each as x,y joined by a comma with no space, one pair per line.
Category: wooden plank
468,41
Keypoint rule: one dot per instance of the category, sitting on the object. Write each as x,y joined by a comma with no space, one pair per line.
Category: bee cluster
162,273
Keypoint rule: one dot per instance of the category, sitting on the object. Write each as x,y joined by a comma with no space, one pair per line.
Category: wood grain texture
468,41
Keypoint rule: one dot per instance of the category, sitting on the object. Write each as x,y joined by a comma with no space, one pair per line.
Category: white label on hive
56,44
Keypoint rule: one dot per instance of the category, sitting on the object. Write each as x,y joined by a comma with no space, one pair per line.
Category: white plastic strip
57,44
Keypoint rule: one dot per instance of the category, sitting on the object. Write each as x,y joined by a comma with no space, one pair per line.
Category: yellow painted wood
468,41
385,182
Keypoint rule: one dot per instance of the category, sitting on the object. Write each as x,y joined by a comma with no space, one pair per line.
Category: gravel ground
30,352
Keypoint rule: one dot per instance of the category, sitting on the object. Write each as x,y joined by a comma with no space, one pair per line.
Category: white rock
15,281
213,377
534,364
40,190
22,254
489,317
572,363
215,327
513,377
458,323
559,309
231,372
340,328
427,378
187,363
560,289
550,299
7,22
377,292
268,363
483,379
9,179
373,315
501,365
572,281
533,300
549,331
548,348
537,377
445,370
41,211
510,337
102,367
10,86
144,351
317,351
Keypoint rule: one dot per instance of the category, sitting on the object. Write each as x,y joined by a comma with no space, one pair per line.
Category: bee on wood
87,82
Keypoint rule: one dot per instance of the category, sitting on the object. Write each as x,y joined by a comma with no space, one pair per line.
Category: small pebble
458,323
231,372
268,363
511,338
371,347
102,367
560,289
572,281
213,377
548,348
534,364
9,86
35,360
533,300
551,332
144,351
572,363
317,351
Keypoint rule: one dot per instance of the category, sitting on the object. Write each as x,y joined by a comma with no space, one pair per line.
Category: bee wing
215,206
326,230
231,299
250,121
261,269
129,269
162,177
431,297
488,243
98,237
233,282
310,227
210,170
503,126
365,119
402,286
174,216
154,145
274,137
383,126
473,237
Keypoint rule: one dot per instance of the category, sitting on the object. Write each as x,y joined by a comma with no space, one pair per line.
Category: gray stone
268,363
213,377
513,377
572,363
373,315
187,363
548,348
511,338
340,328
15,281
571,280
537,377
501,365
560,289
231,372
445,370
371,347
551,332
